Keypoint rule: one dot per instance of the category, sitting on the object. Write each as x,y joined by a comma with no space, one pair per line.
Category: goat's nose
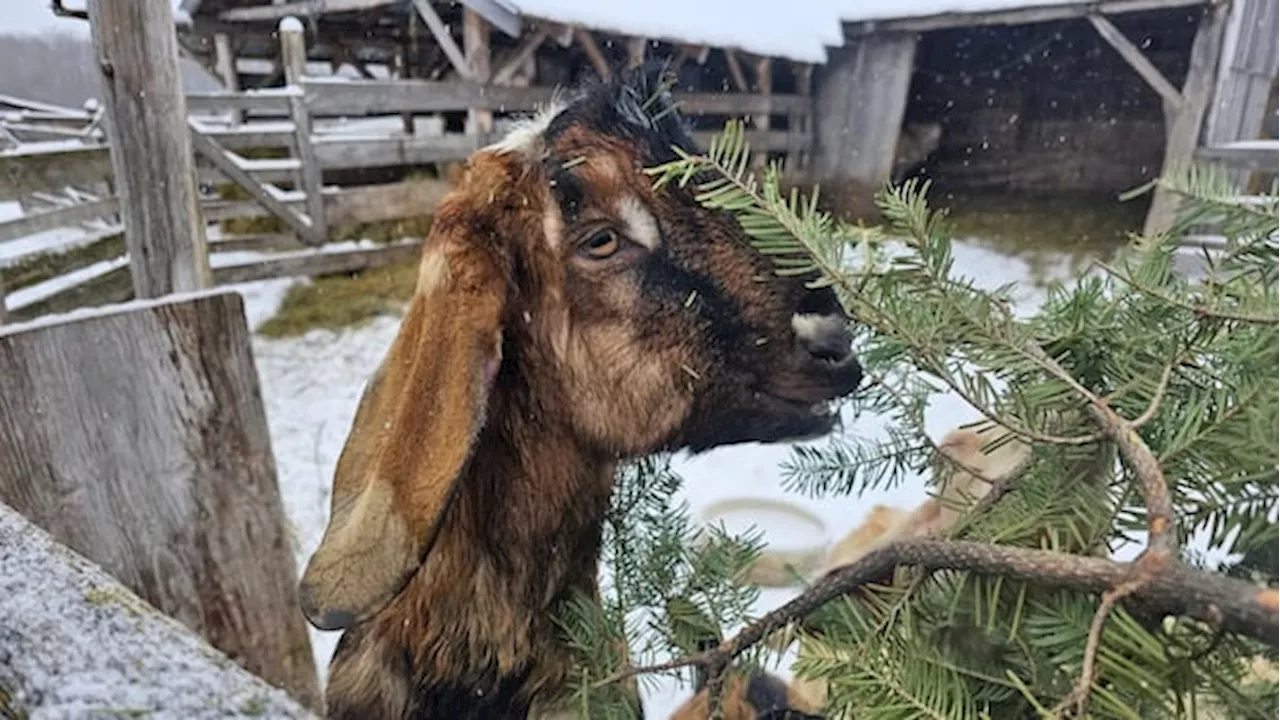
827,337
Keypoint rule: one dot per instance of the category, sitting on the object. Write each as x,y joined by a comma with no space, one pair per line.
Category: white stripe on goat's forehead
525,137
639,222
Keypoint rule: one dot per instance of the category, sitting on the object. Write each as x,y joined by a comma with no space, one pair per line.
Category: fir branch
1202,311
1162,544
1178,589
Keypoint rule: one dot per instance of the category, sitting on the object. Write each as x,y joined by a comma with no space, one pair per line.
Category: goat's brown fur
567,315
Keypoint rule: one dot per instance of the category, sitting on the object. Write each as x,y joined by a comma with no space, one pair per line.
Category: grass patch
34,269
339,301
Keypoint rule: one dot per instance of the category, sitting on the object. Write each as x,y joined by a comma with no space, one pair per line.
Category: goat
567,315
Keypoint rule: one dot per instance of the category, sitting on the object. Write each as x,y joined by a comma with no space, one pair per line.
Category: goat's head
632,319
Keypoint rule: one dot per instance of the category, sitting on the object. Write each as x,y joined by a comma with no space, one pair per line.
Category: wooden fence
138,438
310,121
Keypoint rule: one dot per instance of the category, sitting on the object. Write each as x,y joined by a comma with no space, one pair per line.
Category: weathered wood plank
151,161
379,203
293,54
216,154
861,99
77,640
588,44
70,215
516,59
274,100
28,171
365,204
441,33
475,44
138,438
313,262
277,11
1250,157
1183,129
385,97
1136,59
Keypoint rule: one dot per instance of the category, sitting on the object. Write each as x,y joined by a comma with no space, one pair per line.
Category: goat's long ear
411,438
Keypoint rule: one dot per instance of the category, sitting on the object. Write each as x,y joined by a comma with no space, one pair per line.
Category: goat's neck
523,533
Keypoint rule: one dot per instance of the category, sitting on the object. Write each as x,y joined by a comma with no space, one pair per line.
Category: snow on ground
311,385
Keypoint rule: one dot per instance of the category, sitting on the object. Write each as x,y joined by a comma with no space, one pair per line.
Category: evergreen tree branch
1202,311
1162,541
1178,589
1079,695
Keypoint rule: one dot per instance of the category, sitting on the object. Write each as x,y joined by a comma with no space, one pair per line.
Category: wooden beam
1182,135
588,43
442,36
307,8
293,53
221,159
562,34
377,97
25,225
312,263
1022,16
475,42
735,70
698,53
224,63
764,87
1137,61
516,59
151,159
1255,157
636,48
498,14
137,437
860,103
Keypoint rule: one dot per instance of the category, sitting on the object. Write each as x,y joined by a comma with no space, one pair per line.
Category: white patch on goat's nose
814,328
640,223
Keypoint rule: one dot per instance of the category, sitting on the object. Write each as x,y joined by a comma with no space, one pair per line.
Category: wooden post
293,52
861,98
138,438
475,43
1183,129
798,122
635,51
224,61
151,160
764,87
4,310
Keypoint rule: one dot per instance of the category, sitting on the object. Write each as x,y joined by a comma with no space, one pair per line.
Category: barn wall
1048,107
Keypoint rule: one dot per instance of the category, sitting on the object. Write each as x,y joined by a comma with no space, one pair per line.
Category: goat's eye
600,245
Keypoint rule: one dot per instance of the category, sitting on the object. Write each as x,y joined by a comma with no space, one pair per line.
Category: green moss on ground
35,269
339,301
